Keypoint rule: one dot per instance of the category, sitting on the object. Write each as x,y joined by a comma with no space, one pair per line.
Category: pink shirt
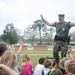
26,69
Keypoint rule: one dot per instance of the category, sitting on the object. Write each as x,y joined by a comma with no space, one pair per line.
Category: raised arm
70,55
19,51
72,23
69,52
20,48
45,21
7,70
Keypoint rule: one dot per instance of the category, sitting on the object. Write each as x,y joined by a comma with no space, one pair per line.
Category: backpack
47,73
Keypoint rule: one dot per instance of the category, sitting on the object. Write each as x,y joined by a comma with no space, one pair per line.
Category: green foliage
10,34
30,34
0,39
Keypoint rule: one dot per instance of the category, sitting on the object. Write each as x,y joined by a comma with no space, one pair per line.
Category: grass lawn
49,46
35,55
34,58
34,52
73,47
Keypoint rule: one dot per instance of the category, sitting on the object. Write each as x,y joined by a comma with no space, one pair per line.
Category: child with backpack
47,67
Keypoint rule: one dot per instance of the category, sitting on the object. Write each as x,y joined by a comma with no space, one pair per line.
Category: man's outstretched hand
41,16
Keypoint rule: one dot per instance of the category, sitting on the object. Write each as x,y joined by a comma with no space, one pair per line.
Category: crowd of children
45,66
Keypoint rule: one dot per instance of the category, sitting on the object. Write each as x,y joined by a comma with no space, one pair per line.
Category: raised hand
20,41
20,48
69,49
41,16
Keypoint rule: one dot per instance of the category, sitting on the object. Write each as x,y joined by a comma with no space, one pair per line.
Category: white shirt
38,69
46,70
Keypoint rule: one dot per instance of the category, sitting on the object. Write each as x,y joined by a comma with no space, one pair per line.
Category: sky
24,12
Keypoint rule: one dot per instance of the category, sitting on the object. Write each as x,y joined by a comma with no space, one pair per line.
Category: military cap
61,15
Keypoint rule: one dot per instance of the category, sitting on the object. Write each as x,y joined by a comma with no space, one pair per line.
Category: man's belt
62,38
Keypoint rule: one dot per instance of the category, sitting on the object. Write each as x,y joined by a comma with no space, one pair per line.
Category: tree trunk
40,35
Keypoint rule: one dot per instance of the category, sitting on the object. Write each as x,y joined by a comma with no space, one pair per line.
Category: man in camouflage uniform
61,39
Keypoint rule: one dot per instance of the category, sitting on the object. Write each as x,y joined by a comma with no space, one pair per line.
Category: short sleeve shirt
62,29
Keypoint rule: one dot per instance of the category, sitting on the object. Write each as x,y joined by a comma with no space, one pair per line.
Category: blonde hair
70,66
26,58
63,61
8,58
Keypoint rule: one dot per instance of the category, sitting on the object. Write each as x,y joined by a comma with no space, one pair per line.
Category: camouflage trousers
59,46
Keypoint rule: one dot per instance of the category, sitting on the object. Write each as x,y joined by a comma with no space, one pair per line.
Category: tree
1,39
30,33
51,31
10,34
38,24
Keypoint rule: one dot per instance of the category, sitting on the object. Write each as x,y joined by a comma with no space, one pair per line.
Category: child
39,67
47,67
56,72
70,64
9,59
7,70
3,48
62,64
54,63
26,65
70,67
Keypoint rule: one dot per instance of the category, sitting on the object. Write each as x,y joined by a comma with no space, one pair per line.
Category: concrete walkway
48,49
51,55
39,54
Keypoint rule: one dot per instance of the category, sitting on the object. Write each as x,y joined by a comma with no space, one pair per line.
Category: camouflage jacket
62,29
